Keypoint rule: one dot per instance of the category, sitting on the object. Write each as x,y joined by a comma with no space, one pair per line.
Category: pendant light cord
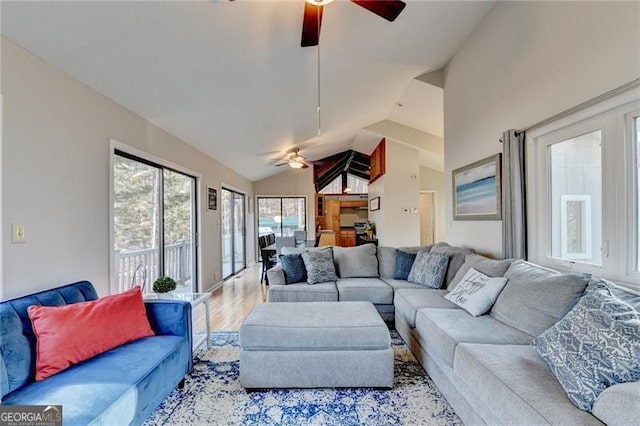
318,107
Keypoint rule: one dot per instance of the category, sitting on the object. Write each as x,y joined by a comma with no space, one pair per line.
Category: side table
195,299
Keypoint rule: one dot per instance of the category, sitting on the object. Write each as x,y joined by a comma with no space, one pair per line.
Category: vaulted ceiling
231,79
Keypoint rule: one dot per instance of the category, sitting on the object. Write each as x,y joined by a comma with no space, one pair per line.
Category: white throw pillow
476,293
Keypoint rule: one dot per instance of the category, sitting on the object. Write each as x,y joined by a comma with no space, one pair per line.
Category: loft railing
140,267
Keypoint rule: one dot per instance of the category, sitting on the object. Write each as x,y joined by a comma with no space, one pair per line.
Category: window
281,215
154,224
583,186
575,182
354,185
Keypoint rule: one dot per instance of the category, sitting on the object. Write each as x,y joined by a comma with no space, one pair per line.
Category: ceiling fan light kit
295,164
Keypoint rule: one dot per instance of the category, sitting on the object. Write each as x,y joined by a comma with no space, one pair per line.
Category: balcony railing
141,267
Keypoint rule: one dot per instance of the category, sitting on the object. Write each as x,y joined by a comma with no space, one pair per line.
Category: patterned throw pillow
429,269
476,293
596,345
404,262
293,268
320,266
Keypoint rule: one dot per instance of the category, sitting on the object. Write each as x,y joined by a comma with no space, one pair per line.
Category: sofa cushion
515,384
320,266
456,259
417,249
386,261
356,262
535,298
619,404
429,269
293,268
489,267
443,329
364,290
115,387
67,335
596,345
407,301
476,292
303,292
404,262
398,284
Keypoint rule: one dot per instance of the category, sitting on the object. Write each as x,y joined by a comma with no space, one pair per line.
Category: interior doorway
428,225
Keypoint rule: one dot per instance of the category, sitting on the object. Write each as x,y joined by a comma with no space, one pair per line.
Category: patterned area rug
213,396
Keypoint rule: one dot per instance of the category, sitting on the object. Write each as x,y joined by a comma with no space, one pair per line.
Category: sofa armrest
276,276
619,404
170,317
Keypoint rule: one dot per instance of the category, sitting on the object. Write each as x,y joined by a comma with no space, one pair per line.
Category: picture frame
212,198
374,204
477,190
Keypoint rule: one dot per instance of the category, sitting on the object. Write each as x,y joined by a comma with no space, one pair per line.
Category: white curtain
514,220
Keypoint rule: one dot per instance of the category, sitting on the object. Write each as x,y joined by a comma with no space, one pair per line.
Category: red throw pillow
69,334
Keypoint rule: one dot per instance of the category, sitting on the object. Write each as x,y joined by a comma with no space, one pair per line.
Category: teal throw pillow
594,346
429,269
320,266
293,268
404,262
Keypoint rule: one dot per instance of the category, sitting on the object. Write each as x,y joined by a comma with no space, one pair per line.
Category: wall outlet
18,233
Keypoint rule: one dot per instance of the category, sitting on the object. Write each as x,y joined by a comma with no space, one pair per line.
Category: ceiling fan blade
311,25
305,166
388,9
281,164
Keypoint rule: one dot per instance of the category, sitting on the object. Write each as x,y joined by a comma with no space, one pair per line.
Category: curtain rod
583,105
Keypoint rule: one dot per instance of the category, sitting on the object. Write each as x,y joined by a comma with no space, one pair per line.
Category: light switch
17,233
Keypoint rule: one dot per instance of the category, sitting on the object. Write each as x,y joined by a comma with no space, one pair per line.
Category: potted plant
164,284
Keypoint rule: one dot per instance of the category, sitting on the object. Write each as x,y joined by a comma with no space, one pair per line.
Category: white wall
433,180
55,169
398,191
525,62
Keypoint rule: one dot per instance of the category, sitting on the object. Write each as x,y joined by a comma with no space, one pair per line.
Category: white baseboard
214,287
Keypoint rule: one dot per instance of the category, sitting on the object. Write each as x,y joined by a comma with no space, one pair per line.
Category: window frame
620,234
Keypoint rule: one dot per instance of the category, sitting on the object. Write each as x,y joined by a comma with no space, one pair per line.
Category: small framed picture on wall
374,204
212,198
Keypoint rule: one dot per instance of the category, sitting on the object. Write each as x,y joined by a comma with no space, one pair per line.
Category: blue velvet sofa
119,387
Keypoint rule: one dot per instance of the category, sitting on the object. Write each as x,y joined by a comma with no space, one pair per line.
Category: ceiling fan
388,9
295,160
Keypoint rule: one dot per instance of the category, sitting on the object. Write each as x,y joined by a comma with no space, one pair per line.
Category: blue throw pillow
594,346
293,268
429,269
320,266
404,262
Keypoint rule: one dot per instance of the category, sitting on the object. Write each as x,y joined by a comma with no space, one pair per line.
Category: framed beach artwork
476,190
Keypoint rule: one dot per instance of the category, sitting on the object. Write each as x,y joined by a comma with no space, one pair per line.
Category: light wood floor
232,302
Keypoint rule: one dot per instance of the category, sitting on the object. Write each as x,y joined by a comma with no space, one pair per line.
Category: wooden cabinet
378,161
347,238
332,215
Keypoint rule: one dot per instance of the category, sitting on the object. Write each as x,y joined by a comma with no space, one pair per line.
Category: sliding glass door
233,232
153,208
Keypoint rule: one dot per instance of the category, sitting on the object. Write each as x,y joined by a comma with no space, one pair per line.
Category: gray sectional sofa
485,366
365,275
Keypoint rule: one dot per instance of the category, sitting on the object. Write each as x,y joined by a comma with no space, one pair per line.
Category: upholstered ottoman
315,345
